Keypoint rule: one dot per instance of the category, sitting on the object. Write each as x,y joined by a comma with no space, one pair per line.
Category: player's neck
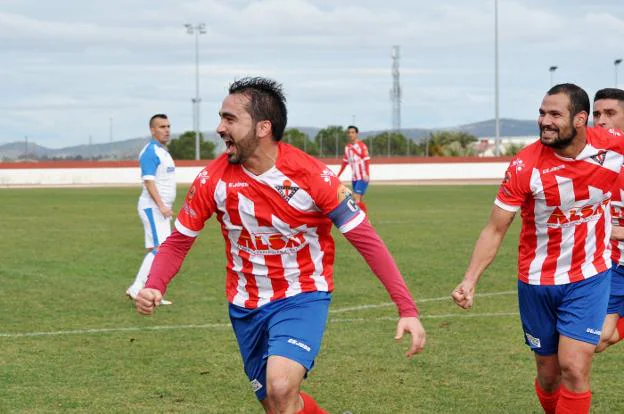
264,158
575,148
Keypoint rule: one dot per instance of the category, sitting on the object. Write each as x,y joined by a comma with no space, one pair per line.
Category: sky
72,69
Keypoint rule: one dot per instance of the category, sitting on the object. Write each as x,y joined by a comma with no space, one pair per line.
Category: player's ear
263,129
580,119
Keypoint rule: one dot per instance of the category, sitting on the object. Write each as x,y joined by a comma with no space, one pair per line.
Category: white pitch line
108,330
447,315
386,304
227,325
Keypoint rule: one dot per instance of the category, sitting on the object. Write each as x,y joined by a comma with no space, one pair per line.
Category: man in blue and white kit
156,200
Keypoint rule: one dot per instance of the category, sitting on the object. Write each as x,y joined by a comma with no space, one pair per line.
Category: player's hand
166,211
463,294
365,177
147,300
414,327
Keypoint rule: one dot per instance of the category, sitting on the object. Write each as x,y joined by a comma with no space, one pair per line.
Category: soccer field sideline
227,325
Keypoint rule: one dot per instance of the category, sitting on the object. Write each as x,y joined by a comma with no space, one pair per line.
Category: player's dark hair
610,93
579,100
266,102
357,131
159,116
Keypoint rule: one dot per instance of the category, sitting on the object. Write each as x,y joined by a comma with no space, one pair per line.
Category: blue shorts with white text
576,310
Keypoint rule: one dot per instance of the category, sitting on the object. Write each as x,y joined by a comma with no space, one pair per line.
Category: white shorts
157,227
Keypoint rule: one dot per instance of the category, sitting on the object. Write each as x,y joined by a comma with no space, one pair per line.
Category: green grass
67,256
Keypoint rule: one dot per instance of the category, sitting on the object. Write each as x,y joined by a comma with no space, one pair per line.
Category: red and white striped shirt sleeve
199,205
514,188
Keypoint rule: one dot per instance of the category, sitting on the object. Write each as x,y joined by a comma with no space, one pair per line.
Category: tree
448,144
398,144
512,149
300,140
331,141
183,147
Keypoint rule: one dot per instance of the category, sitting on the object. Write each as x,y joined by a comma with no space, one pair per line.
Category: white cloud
63,75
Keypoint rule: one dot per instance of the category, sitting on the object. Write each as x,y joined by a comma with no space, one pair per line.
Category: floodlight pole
616,63
196,30
496,88
552,70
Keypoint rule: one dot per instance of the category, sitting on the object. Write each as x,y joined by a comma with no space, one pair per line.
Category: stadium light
616,63
196,30
552,70
497,150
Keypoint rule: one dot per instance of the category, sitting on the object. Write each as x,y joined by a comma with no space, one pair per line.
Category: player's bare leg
610,334
284,378
575,360
548,372
548,381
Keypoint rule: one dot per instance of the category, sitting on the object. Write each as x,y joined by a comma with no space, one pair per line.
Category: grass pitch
71,342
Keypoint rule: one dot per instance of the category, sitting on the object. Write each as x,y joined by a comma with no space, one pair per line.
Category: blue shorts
616,300
576,310
359,186
292,327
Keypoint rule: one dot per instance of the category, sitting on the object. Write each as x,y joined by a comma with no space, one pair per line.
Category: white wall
131,176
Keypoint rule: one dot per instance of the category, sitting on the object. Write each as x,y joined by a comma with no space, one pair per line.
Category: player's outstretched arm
483,254
166,265
367,242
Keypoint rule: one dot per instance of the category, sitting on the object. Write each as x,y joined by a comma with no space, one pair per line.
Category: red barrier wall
203,163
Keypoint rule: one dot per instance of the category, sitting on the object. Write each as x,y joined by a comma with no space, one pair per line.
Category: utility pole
552,70
497,151
196,30
395,94
110,135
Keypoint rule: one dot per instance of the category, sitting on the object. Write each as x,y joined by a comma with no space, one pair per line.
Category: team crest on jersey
191,193
600,157
287,190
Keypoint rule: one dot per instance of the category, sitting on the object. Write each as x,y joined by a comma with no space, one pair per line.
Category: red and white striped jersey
277,234
566,220
617,213
617,218
356,155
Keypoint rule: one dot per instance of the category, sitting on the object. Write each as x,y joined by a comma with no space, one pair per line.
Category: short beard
244,148
561,142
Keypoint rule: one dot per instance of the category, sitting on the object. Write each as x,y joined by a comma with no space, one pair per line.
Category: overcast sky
68,66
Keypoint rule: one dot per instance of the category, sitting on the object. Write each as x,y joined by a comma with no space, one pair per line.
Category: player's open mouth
230,148
548,132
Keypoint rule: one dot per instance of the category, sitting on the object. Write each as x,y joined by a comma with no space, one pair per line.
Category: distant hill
119,150
130,148
508,128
